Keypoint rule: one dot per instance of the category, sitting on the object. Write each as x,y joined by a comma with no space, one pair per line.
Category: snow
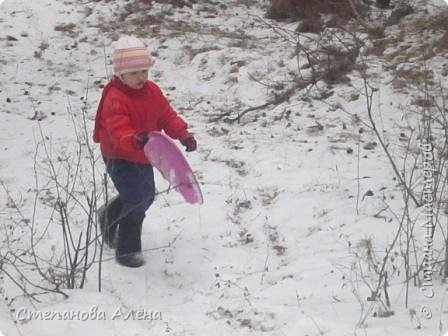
273,248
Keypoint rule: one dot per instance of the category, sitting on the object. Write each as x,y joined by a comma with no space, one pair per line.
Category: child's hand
189,143
141,139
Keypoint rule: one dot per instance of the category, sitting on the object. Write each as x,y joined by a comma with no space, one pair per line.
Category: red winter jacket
124,112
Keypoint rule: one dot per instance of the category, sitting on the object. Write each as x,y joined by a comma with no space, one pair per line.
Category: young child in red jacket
130,107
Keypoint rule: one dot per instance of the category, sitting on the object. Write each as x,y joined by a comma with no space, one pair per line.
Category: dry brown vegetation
443,43
285,9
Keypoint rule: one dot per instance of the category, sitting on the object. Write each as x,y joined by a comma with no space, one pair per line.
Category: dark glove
189,143
140,139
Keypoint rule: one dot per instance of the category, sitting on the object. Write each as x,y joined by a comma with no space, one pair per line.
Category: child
130,107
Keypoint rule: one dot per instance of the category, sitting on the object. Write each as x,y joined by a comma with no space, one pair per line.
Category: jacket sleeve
170,121
118,125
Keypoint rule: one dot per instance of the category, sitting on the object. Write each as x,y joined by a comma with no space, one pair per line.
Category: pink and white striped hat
130,54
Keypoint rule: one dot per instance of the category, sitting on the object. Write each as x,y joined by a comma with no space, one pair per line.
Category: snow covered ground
273,249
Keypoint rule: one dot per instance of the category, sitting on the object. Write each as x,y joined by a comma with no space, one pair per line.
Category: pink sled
163,154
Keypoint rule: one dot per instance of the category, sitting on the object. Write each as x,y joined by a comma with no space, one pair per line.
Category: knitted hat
130,54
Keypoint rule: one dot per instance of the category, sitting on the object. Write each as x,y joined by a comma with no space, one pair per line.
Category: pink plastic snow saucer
163,154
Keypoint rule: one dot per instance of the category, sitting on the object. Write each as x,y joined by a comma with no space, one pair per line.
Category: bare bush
66,193
418,252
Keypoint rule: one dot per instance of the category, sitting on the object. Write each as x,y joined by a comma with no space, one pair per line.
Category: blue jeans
136,191
135,185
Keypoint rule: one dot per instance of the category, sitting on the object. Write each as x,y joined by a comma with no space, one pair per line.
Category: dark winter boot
129,246
108,218
134,259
